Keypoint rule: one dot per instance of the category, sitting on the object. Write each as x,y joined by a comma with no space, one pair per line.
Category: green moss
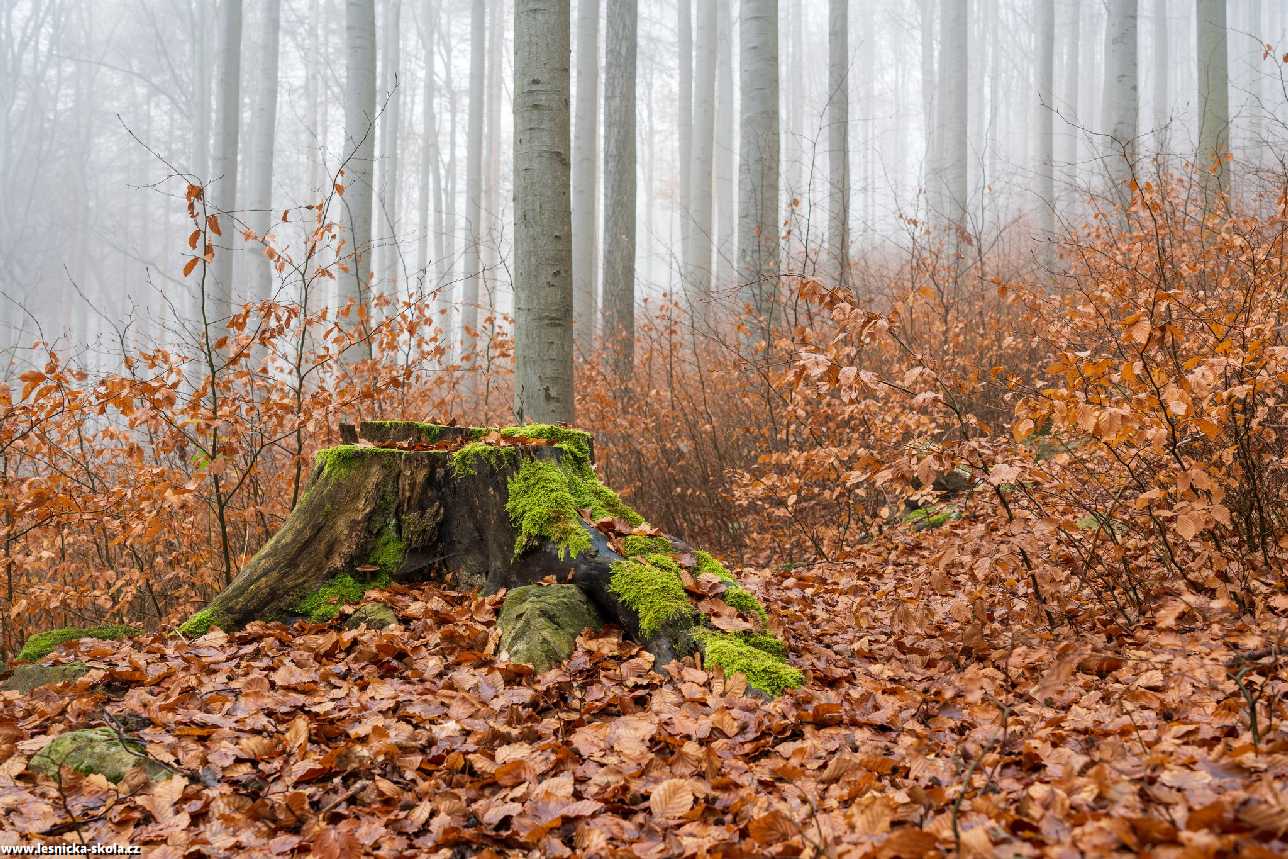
338,462
735,594
601,500
199,624
656,595
742,599
43,643
735,655
466,460
576,442
542,507
324,603
707,563
663,562
933,516
766,641
389,550
638,544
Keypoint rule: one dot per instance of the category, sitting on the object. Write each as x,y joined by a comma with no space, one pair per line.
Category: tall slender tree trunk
1072,79
1213,101
224,163
619,184
759,214
726,155
391,93
1046,128
838,138
684,123
474,182
543,344
359,134
264,126
585,177
428,180
447,233
929,102
698,264
1162,70
1121,101
952,127
201,91
493,210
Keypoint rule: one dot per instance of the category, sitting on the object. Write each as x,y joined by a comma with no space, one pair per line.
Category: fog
110,109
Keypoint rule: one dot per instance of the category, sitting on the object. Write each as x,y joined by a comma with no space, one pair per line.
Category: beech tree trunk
359,147
391,92
543,335
1122,98
1213,101
619,185
1046,131
224,162
698,263
264,128
759,213
585,177
474,183
838,138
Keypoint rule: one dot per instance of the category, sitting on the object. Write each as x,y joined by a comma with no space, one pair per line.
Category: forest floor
935,720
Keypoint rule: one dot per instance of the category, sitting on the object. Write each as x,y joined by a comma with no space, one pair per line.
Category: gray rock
540,624
376,615
95,750
32,675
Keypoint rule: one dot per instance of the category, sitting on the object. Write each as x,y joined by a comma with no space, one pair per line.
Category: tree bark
952,130
684,122
429,179
698,263
758,163
224,163
1072,79
543,338
474,183
265,135
359,146
585,179
391,92
619,185
1213,101
1046,131
838,138
1162,69
726,154
1121,100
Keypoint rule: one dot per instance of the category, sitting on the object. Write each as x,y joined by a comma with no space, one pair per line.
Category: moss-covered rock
733,654
201,622
28,676
931,517
373,615
43,643
539,624
639,544
95,750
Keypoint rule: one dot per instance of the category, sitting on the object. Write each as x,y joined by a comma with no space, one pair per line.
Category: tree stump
492,508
